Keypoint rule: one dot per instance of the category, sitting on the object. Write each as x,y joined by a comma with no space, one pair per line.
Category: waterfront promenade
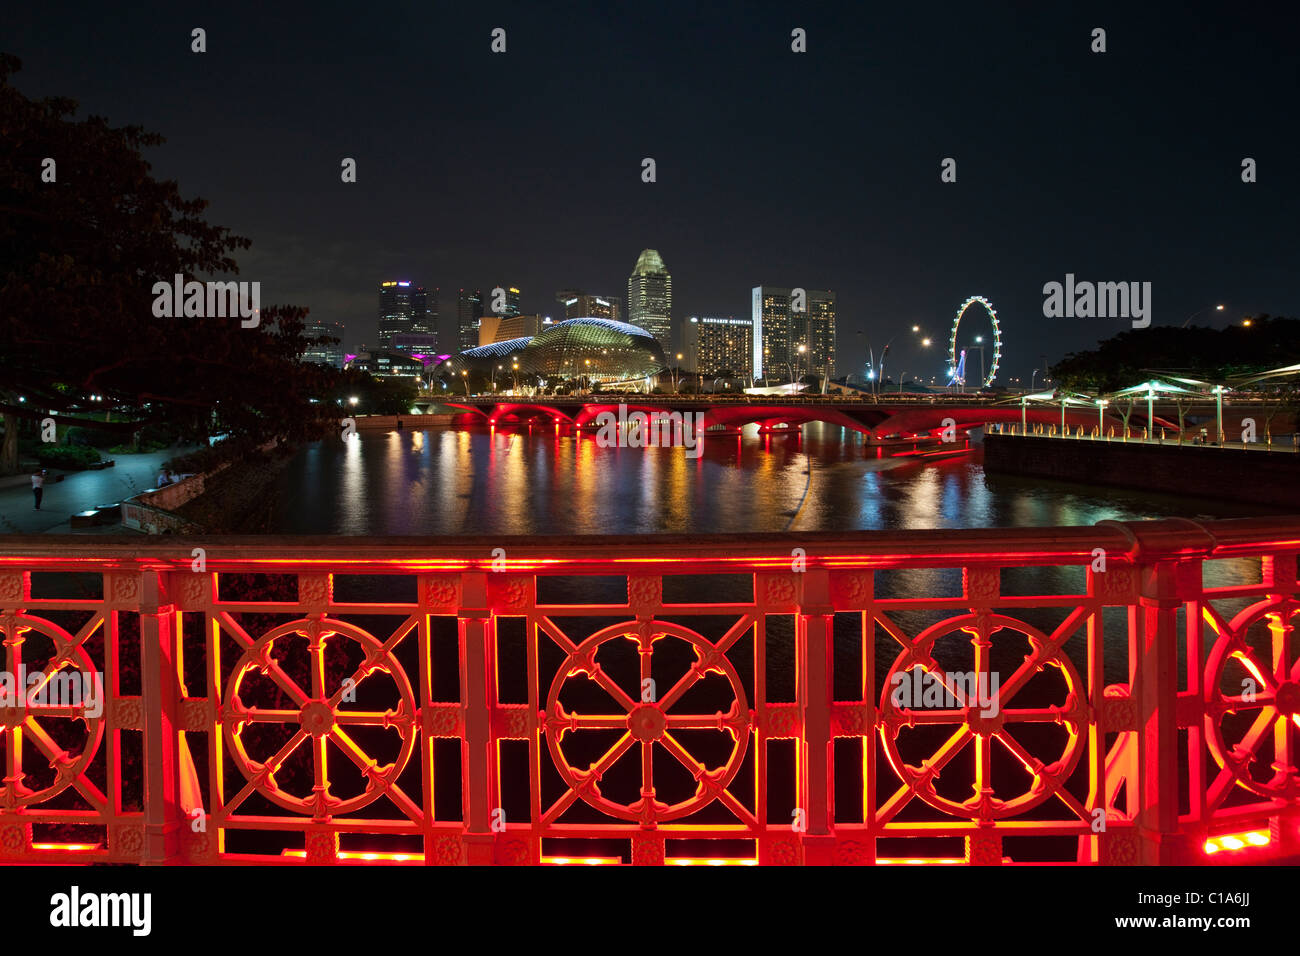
78,491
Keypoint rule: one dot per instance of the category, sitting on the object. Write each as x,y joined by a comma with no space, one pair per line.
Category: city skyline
1120,166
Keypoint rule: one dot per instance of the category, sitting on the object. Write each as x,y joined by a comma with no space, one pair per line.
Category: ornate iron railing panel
850,699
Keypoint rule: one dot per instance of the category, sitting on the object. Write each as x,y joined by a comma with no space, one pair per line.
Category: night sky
820,170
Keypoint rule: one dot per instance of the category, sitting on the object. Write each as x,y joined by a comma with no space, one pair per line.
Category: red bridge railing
667,699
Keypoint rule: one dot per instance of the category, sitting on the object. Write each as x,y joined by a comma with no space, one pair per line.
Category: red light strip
1237,841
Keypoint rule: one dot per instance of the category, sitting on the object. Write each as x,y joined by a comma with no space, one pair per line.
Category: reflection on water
525,480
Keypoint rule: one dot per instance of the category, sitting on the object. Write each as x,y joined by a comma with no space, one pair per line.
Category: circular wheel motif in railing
319,717
983,720
1252,700
26,711
648,723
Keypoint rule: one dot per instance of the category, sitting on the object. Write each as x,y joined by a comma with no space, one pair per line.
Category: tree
1195,352
79,257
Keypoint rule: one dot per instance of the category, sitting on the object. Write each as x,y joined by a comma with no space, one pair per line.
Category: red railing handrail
1124,541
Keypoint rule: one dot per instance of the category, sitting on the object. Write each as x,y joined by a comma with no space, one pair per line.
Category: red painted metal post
475,629
160,686
1155,686
816,786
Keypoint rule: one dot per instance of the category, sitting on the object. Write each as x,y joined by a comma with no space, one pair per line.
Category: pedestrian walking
38,486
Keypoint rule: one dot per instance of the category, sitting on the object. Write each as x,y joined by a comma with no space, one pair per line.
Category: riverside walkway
78,491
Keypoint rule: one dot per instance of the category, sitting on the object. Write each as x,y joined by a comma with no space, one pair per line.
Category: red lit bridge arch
302,695
905,417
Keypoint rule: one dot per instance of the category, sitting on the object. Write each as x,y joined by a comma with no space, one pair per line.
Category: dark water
535,481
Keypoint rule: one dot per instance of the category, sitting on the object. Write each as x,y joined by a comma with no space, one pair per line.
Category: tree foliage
79,257
1197,352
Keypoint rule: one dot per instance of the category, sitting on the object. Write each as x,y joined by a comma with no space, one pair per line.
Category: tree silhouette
79,257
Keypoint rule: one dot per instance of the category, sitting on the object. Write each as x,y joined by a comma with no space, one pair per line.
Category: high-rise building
821,333
500,328
424,312
324,353
404,308
415,342
712,344
469,310
770,314
386,363
784,322
650,296
502,302
582,305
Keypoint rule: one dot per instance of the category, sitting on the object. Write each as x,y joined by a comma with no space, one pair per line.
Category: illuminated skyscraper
506,302
580,305
404,308
786,323
469,310
820,360
650,296
770,313
713,344
324,353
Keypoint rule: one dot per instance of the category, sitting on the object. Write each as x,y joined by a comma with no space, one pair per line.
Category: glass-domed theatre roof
599,349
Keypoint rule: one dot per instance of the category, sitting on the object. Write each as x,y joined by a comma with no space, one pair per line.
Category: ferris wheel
956,359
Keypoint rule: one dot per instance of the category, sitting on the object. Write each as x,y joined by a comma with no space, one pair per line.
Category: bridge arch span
511,412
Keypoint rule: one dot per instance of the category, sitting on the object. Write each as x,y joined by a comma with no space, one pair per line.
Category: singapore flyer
957,360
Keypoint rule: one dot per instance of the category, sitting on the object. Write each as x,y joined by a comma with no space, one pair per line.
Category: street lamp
1218,404
1151,403
675,368
464,375
1031,379
1217,308
1101,417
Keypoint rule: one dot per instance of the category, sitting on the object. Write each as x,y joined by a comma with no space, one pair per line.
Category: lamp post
1217,308
1101,416
1032,378
1151,414
880,372
675,368
1218,404
900,383
464,377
